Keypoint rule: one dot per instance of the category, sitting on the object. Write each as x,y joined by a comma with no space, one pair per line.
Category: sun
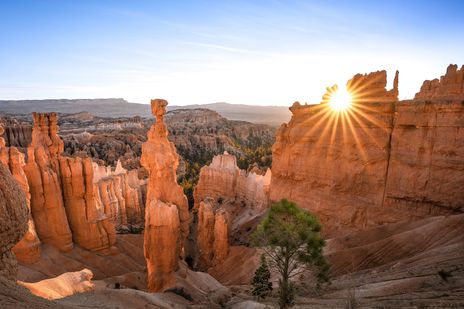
340,100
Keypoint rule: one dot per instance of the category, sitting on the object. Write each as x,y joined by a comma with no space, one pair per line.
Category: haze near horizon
242,52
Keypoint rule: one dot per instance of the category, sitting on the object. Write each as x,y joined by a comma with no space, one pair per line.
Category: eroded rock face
17,134
28,249
161,239
166,214
90,226
43,175
13,221
211,236
382,161
223,179
449,86
243,196
121,195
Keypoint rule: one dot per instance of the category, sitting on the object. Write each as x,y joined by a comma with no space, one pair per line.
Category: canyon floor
376,268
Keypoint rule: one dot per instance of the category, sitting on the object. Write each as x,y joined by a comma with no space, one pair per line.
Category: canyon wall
378,162
166,212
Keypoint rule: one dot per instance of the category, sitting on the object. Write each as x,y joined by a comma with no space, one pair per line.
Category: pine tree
291,238
262,287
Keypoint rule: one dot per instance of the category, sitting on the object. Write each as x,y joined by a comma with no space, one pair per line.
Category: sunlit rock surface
43,175
381,161
166,213
449,86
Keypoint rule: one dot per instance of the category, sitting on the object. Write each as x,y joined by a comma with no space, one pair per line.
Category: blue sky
194,52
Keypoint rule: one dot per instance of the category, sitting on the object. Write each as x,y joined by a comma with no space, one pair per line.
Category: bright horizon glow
244,52
340,100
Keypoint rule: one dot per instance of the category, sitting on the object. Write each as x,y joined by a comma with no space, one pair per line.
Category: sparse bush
262,286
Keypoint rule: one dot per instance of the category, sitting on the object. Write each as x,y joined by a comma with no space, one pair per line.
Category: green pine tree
262,287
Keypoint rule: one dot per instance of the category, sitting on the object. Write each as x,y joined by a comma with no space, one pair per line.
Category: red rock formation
90,226
223,179
166,214
28,249
13,221
161,244
17,134
42,171
211,236
426,164
380,161
243,196
449,86
120,193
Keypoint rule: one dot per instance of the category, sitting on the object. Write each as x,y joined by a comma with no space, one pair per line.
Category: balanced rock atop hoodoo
449,86
166,212
379,161
43,175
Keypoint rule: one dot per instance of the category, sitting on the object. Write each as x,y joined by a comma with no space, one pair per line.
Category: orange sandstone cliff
43,175
166,212
380,161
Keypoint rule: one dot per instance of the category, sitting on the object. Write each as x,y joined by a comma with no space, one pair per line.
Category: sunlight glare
340,100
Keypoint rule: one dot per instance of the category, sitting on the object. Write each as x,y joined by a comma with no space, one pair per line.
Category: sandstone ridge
382,161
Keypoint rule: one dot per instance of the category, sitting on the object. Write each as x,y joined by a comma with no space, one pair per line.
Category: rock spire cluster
70,199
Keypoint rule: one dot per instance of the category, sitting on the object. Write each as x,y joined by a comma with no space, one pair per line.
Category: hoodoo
43,175
166,211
